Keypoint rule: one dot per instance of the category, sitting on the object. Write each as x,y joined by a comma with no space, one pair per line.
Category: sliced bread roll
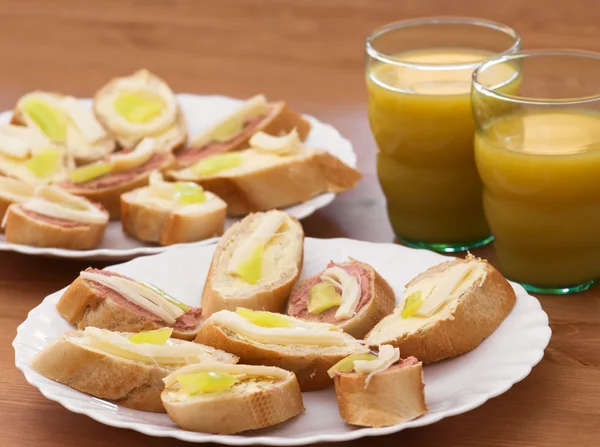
265,338
108,300
229,399
255,264
351,295
108,366
447,310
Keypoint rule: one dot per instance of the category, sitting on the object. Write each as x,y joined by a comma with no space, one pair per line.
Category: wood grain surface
309,52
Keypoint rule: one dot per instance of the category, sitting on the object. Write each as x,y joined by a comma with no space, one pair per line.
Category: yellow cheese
350,291
285,144
387,356
19,142
83,119
130,160
15,190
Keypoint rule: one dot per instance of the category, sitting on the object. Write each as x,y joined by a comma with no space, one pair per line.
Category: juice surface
541,172
421,120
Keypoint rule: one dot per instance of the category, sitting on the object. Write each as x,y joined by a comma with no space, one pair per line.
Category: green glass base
558,290
447,247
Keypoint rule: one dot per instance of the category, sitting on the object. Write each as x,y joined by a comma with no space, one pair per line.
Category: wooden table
310,53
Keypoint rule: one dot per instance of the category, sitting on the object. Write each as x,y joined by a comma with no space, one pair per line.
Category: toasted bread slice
460,324
262,181
309,360
261,397
376,300
73,361
280,265
88,303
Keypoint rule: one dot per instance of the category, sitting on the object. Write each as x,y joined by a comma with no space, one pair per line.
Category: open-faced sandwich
14,191
108,300
233,132
172,213
226,399
447,310
276,172
138,106
121,367
265,338
105,181
67,122
255,264
378,391
55,218
351,295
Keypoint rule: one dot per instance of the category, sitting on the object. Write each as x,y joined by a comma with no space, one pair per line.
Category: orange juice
421,120
541,172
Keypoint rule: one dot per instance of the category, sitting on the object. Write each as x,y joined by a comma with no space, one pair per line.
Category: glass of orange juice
538,154
418,75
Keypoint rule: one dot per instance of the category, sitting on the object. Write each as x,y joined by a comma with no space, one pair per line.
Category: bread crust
478,314
23,229
392,397
230,413
310,364
81,307
151,224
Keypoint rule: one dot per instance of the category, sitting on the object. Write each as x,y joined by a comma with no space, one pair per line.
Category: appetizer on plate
233,132
447,310
227,399
275,173
14,191
351,295
265,338
108,300
138,106
255,264
378,391
67,122
55,218
172,213
123,368
105,181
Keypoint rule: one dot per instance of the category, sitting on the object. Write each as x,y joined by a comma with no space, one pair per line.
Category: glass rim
442,20
498,59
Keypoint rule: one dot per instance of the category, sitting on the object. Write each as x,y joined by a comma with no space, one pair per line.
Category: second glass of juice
418,76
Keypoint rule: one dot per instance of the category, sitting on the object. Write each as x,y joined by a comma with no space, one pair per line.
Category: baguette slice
267,181
281,264
460,325
309,362
133,384
377,300
262,397
391,397
86,303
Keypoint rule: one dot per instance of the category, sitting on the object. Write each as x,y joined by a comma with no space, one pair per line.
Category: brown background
309,52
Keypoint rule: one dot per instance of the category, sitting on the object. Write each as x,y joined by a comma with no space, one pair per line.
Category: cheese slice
283,145
388,355
16,191
350,291
83,119
129,160
271,372
20,141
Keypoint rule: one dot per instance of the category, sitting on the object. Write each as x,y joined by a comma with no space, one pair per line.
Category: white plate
452,387
200,112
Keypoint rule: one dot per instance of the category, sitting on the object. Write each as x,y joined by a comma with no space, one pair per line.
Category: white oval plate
200,112
452,387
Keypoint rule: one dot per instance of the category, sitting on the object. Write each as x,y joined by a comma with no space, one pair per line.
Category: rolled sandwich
126,369
447,310
14,191
275,173
255,264
227,399
65,121
54,218
264,338
108,300
378,391
138,106
235,130
351,295
172,213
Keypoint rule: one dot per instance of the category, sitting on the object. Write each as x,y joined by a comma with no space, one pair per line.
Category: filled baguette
126,369
266,338
350,295
255,264
227,399
108,300
447,310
